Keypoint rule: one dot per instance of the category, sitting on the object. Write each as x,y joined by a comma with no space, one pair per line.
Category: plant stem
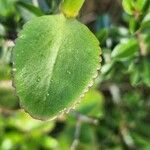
76,136
143,51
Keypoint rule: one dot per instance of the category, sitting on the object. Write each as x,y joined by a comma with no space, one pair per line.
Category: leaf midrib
54,51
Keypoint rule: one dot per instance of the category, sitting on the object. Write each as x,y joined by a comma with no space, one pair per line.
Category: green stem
71,8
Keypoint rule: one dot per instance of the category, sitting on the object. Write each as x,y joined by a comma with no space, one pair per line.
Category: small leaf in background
135,73
134,25
91,104
102,35
31,8
11,140
5,72
125,50
7,7
26,123
49,143
135,7
140,72
7,98
145,26
106,68
132,99
140,4
55,59
127,5
71,8
87,137
2,30
146,71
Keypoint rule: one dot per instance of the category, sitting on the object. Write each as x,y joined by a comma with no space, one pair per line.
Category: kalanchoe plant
55,60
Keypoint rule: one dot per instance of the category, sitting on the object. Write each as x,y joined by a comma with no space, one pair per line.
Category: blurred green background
115,113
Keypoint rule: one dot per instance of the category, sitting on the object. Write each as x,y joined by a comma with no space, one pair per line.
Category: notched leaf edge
65,110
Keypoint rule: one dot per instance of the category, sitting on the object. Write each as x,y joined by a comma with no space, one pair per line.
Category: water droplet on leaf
38,80
68,72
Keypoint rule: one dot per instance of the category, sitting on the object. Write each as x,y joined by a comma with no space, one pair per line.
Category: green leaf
7,7
49,143
146,71
7,98
102,35
71,8
134,25
125,50
87,136
145,26
146,38
31,8
5,72
135,70
106,68
135,6
139,4
92,104
135,77
2,30
127,5
55,59
25,123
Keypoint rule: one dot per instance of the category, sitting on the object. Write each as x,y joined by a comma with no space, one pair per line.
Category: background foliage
115,113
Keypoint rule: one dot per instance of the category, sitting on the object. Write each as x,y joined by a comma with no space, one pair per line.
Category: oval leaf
55,61
128,6
125,50
71,8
